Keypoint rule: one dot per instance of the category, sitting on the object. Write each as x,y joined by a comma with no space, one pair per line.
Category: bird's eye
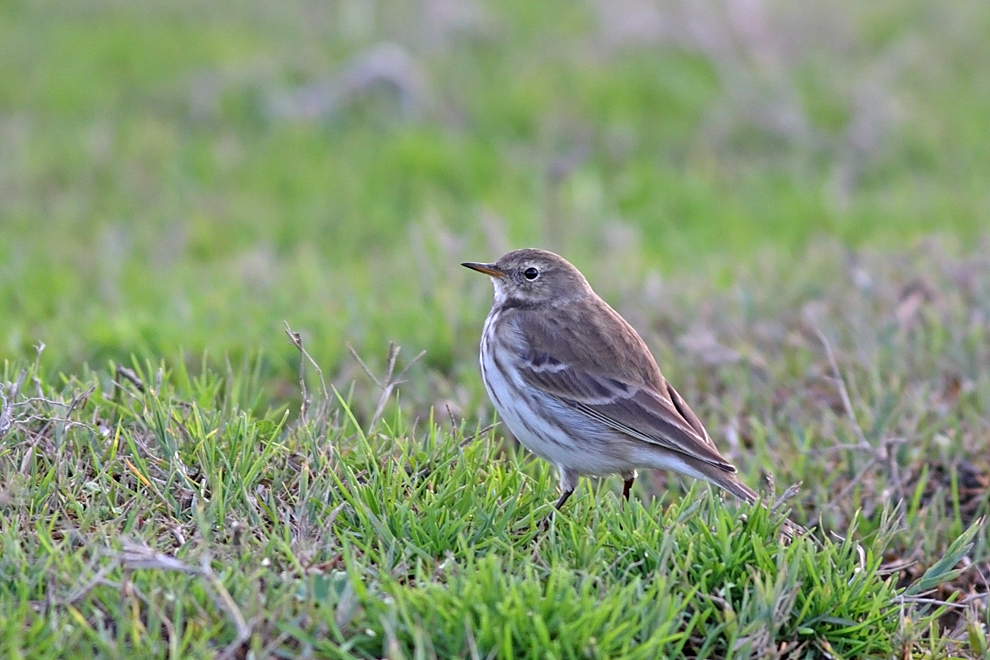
531,273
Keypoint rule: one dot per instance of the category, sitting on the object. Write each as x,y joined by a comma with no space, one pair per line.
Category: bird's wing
610,391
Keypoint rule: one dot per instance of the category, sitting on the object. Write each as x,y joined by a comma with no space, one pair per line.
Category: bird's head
531,276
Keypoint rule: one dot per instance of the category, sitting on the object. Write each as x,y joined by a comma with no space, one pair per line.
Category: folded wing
605,371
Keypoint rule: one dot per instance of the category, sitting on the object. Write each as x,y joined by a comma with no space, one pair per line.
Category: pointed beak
487,269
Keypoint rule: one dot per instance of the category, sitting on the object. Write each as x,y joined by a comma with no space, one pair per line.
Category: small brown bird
577,385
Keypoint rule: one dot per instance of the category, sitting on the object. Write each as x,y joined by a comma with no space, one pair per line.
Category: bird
577,385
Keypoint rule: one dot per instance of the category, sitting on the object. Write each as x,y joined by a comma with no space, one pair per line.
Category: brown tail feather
728,482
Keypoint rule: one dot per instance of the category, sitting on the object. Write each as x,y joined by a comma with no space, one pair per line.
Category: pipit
577,386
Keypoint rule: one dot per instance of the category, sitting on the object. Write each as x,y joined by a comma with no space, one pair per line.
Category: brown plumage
576,384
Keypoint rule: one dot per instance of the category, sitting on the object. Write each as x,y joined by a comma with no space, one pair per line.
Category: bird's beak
487,269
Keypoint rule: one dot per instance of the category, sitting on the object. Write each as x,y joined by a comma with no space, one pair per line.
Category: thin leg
627,483
563,498
568,482
545,523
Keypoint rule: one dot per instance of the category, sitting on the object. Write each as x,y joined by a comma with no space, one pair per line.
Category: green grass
788,202
174,522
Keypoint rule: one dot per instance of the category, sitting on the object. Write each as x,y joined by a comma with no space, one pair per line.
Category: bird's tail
730,483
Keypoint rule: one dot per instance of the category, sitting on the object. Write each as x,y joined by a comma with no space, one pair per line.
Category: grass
788,202
154,510
172,522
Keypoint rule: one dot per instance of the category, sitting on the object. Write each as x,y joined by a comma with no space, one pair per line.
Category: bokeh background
789,200
177,179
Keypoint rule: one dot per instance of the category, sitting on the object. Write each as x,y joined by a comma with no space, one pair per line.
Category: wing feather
605,375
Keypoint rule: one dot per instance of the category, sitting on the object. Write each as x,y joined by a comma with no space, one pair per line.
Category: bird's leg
568,482
545,523
627,483
563,498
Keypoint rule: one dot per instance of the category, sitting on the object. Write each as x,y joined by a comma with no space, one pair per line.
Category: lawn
216,221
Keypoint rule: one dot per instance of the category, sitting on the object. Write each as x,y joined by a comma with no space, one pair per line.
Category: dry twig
296,339
389,382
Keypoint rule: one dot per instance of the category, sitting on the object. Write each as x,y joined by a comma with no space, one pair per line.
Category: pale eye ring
531,273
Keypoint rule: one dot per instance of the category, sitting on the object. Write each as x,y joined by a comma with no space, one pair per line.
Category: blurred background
180,178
